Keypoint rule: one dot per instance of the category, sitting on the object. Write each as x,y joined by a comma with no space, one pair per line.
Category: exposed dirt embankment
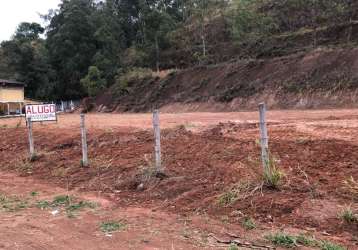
320,78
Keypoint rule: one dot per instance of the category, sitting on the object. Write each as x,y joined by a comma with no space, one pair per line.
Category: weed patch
112,226
12,204
70,204
326,245
249,224
34,193
282,239
242,190
233,247
348,215
289,241
351,186
272,175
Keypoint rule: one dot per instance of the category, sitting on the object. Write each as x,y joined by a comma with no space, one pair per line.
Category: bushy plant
251,26
93,82
123,79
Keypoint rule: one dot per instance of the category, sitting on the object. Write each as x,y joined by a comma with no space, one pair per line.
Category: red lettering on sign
28,110
33,110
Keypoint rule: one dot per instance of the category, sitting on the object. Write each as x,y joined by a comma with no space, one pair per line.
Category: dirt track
205,154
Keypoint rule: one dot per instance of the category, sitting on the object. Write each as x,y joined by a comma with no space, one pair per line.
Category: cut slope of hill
320,78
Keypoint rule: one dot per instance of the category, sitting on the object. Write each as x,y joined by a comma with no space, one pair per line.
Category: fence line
157,147
157,137
84,162
66,106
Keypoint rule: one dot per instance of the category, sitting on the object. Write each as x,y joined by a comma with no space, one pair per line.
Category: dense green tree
251,26
71,44
24,58
120,36
29,31
93,83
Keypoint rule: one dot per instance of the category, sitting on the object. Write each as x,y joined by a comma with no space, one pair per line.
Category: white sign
42,112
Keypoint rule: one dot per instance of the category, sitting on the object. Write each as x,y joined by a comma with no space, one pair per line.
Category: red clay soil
201,166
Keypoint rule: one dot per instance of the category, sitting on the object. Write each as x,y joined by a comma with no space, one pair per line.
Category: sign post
38,113
41,112
31,140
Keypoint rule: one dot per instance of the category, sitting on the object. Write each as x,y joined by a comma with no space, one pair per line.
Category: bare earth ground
206,155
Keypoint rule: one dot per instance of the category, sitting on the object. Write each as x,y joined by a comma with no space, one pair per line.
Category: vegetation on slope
90,45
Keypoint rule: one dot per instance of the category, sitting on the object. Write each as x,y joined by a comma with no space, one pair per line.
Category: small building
11,97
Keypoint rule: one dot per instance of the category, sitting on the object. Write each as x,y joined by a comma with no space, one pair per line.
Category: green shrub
123,80
93,82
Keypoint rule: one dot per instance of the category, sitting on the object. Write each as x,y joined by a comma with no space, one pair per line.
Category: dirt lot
212,188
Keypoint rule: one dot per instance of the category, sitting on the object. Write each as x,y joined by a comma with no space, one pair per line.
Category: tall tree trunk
203,38
204,45
350,30
315,37
157,52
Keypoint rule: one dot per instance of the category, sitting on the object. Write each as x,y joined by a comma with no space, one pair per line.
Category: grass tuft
307,241
326,245
348,215
249,223
273,175
42,204
351,185
34,193
70,204
289,241
12,204
240,190
282,239
233,247
228,198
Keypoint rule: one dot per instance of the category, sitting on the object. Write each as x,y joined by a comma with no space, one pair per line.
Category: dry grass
351,187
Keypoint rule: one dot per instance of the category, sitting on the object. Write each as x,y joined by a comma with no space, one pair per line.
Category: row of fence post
157,144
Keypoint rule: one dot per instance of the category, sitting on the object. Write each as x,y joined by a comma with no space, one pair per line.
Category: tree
158,25
93,82
71,45
110,39
29,31
24,58
250,26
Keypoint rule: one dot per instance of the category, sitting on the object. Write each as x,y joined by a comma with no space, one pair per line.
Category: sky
13,12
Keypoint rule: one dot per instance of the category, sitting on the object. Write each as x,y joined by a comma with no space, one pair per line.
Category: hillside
321,78
304,63
221,55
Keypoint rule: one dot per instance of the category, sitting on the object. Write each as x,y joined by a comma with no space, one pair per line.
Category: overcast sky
13,12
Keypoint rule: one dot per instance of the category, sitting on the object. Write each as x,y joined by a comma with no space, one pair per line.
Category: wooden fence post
31,139
264,139
157,148
84,161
